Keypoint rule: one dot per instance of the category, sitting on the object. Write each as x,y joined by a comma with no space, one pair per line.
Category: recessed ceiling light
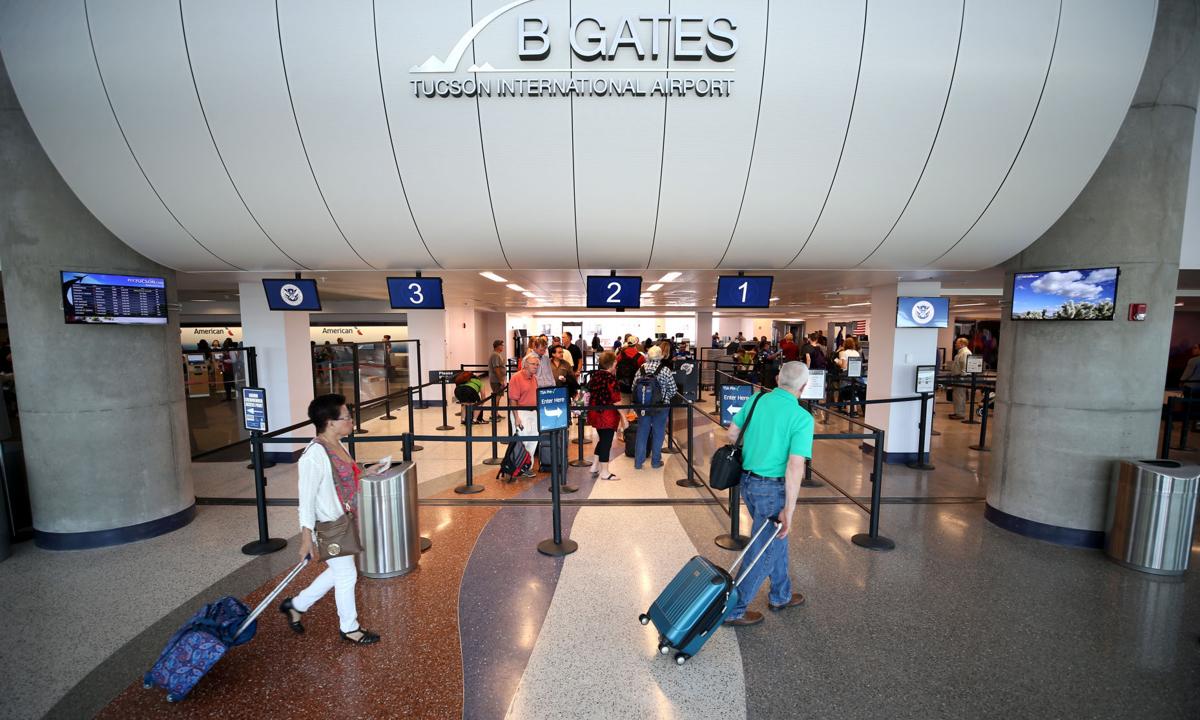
670,277
199,300
857,304
526,293
655,287
773,300
514,286
493,277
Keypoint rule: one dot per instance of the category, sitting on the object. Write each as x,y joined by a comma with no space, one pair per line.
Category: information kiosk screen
740,291
114,299
611,291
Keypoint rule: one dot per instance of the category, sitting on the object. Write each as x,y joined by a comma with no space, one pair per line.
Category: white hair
793,376
654,353
531,356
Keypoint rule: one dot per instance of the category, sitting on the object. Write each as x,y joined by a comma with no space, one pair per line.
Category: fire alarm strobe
1137,311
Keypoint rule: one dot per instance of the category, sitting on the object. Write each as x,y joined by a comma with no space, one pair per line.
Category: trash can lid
1168,468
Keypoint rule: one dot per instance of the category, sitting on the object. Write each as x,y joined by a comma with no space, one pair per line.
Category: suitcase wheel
644,619
171,698
680,658
663,648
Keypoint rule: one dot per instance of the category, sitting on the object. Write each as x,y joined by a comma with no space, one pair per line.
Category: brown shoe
796,601
750,618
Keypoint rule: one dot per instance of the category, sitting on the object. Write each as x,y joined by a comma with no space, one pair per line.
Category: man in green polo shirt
777,445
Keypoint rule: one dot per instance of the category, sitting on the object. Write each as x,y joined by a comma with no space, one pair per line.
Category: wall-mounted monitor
1085,294
922,312
613,291
113,299
741,291
292,295
416,293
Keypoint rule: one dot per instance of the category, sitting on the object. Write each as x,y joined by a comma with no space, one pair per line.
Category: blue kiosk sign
553,411
733,397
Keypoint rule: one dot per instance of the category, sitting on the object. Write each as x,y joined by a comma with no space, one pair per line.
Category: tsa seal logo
923,312
291,294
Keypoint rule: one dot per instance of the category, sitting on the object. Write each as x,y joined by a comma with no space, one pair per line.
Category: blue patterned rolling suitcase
697,601
204,639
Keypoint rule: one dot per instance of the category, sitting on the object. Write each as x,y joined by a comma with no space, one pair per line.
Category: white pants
340,574
528,418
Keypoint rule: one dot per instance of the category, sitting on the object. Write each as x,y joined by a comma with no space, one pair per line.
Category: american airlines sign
680,39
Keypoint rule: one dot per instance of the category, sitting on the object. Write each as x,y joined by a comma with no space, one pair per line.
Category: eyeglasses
344,417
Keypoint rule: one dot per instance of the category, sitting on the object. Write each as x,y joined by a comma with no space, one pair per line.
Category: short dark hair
324,409
497,343
568,334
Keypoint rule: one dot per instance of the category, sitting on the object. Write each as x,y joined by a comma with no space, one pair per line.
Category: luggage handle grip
271,597
772,522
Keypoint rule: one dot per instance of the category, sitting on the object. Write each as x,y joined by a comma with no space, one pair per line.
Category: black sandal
365,637
293,622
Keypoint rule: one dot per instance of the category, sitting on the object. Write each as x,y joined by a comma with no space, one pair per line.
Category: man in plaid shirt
652,423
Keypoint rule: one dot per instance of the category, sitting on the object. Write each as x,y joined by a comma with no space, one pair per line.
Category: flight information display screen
114,299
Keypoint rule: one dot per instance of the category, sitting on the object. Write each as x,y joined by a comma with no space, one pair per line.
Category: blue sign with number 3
416,293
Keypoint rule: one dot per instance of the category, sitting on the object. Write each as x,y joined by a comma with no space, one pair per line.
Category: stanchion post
734,540
921,463
445,426
494,459
556,546
252,381
470,488
387,386
690,481
872,540
420,389
1165,451
670,449
358,428
412,428
264,544
580,462
1186,399
981,446
970,418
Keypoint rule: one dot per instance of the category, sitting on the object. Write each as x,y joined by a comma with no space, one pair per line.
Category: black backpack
816,359
627,367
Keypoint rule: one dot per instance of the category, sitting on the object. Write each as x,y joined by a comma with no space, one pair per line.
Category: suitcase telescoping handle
271,597
773,523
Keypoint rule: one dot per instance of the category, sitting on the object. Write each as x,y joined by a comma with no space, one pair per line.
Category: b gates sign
592,40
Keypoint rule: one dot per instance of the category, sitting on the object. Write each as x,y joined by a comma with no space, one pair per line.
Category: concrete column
1074,397
895,354
704,330
281,339
103,415
428,326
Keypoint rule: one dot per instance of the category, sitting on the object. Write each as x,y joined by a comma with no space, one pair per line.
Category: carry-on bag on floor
630,439
202,641
698,600
516,461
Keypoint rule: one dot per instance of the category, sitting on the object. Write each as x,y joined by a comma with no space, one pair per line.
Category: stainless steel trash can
1151,514
387,523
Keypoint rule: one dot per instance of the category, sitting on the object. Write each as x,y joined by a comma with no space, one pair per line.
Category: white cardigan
318,498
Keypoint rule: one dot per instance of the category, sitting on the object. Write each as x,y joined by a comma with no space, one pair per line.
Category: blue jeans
764,498
651,426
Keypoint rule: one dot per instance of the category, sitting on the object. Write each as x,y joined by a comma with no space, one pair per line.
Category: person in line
716,340
328,489
848,388
958,371
777,446
568,341
496,369
522,391
664,346
603,390
564,371
597,346
545,373
789,349
740,337
652,425
228,377
628,362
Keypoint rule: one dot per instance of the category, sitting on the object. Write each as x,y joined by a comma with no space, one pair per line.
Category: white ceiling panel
334,78
812,61
48,55
1102,46
909,53
140,51
527,142
618,151
240,75
1006,50
708,146
437,140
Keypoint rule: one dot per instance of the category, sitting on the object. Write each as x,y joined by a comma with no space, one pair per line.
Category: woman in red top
602,391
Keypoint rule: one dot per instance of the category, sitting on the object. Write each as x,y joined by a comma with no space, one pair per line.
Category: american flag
858,327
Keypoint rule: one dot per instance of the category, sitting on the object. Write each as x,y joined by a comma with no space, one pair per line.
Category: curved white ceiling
882,134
